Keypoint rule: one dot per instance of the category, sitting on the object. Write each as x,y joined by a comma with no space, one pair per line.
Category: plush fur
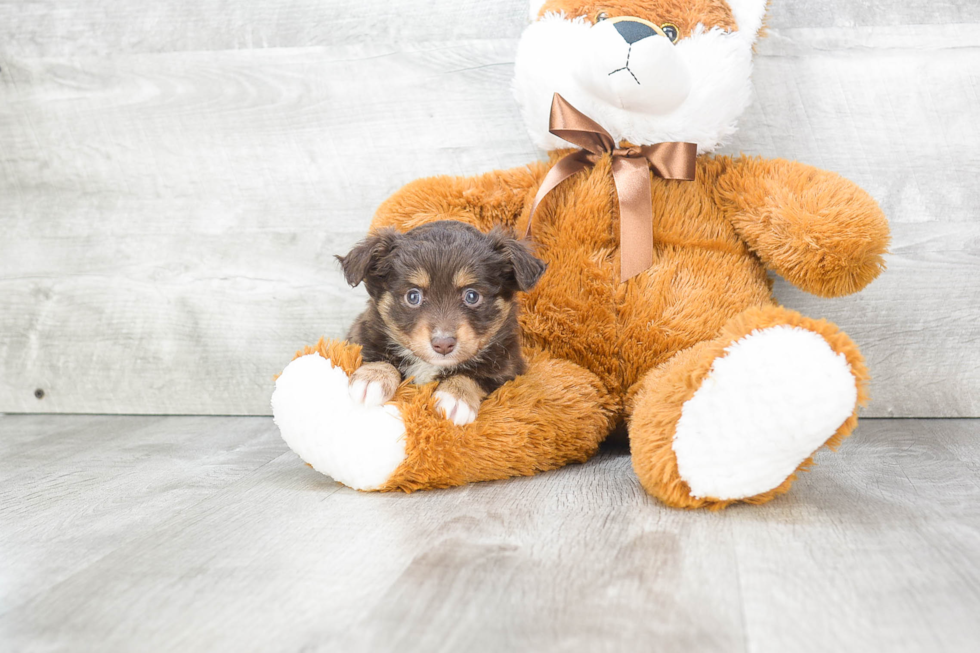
601,352
705,271
555,414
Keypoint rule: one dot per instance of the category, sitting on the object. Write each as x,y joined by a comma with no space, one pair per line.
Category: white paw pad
765,407
455,409
358,443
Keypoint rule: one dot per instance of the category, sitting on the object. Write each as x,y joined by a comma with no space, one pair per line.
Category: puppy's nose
633,30
444,345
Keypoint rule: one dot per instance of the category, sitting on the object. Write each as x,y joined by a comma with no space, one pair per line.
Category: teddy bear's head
648,71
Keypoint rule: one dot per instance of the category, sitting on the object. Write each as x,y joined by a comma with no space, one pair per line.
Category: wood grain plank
583,561
358,572
52,28
880,551
105,481
878,548
170,216
845,14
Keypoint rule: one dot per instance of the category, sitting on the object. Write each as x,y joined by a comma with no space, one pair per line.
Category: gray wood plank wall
176,176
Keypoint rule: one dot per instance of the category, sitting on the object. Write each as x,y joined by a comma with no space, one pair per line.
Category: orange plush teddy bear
655,310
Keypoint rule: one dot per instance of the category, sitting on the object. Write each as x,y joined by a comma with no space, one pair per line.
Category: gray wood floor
206,533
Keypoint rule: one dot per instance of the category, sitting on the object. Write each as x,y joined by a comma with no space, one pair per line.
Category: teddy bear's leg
734,418
554,414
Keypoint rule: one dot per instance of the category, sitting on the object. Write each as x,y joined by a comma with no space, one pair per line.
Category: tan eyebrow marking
463,278
420,278
384,306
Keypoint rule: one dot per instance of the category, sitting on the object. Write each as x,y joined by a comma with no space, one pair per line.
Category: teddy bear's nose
633,30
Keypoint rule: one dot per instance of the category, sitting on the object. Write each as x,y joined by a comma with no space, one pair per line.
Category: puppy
441,309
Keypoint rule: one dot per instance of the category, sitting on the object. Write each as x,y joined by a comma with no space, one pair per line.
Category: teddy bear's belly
580,311
686,297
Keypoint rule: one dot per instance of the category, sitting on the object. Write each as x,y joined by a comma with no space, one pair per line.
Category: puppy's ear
368,256
526,266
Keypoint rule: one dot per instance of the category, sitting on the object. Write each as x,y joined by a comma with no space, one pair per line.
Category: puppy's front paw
455,408
374,384
459,397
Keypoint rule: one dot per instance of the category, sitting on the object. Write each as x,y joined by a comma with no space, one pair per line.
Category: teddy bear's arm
484,201
819,231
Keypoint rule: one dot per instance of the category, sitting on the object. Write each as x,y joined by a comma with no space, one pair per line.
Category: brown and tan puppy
441,308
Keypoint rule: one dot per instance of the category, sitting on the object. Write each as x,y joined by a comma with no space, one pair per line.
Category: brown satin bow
631,172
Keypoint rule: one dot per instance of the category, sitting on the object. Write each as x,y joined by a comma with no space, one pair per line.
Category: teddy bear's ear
749,15
535,8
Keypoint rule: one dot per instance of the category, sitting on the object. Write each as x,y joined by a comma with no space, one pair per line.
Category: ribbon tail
632,177
570,124
565,168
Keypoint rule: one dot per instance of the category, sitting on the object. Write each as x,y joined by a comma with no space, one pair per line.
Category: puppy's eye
413,297
472,297
670,31
601,16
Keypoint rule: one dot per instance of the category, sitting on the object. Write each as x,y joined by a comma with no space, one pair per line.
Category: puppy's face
444,290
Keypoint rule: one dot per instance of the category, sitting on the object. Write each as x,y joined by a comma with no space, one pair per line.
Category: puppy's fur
442,285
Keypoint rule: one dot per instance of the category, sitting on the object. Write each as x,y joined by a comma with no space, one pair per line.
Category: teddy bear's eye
670,31
601,16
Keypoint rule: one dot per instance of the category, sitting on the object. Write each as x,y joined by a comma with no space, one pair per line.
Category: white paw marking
359,444
371,394
455,409
777,395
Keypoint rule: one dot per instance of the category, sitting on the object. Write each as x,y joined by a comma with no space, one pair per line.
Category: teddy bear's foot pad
775,397
357,445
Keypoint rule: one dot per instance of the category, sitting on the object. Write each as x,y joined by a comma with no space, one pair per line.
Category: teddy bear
656,311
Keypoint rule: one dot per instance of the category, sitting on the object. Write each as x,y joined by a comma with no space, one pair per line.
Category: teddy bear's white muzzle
645,76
